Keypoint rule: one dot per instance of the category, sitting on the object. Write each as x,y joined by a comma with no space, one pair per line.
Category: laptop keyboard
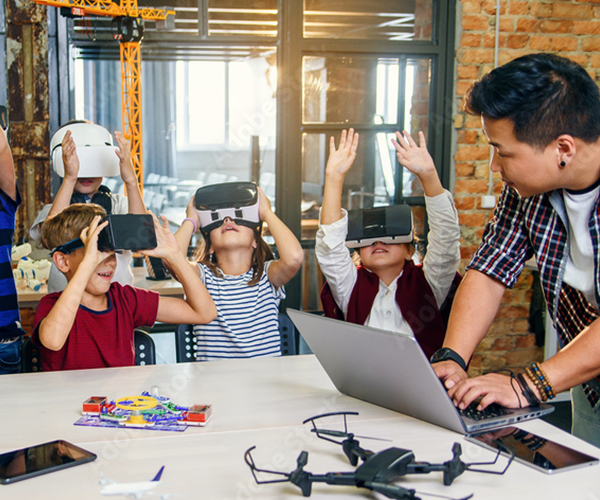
493,410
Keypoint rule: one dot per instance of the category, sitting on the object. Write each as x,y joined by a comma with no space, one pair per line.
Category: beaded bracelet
193,222
546,381
536,383
541,375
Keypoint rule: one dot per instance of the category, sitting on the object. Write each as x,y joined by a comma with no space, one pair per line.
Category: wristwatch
446,353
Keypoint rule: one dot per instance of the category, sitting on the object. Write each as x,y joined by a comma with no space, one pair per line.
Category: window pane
375,179
206,102
381,20
242,18
381,90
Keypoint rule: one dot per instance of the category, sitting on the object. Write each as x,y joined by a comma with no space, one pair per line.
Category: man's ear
61,262
566,149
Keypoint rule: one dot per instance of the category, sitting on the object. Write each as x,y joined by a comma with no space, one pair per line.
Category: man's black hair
544,95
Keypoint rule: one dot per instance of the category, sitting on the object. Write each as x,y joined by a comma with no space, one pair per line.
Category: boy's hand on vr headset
415,158
341,159
89,237
124,153
166,244
69,156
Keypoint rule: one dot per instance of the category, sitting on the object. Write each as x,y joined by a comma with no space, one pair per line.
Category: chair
287,332
185,340
185,344
145,352
30,357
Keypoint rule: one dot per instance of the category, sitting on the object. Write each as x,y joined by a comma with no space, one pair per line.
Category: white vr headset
391,225
97,157
236,200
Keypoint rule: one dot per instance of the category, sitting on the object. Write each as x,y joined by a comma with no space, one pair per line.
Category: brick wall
568,28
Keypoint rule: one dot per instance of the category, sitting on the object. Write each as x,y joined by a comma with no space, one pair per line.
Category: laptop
391,370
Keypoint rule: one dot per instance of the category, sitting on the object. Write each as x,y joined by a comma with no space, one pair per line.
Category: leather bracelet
530,396
193,222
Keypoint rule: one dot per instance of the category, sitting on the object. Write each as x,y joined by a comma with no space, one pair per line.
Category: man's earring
563,163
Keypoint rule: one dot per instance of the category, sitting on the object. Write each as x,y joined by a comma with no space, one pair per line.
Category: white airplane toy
135,490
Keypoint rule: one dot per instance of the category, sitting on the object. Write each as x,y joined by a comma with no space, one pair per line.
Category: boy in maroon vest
388,290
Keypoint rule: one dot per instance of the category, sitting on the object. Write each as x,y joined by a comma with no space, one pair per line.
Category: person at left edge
11,333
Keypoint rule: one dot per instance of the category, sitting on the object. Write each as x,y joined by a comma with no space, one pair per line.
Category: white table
255,402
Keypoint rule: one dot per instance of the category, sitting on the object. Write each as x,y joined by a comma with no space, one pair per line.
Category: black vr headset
236,200
123,232
392,225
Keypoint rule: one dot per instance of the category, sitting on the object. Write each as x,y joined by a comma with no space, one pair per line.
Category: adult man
541,114
11,333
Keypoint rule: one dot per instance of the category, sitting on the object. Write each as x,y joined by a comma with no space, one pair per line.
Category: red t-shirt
99,339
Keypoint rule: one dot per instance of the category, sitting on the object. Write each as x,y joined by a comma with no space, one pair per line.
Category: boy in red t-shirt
91,323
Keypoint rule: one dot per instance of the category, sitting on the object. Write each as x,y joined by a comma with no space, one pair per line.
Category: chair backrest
145,352
30,357
185,344
287,332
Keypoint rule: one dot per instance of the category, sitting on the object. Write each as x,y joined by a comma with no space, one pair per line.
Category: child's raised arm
54,329
134,196
291,254
71,163
339,163
198,306
418,160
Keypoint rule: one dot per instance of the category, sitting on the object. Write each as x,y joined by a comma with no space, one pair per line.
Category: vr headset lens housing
236,200
392,225
95,150
123,232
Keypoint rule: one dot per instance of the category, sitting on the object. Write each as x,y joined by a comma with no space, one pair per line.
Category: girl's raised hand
415,158
264,204
341,159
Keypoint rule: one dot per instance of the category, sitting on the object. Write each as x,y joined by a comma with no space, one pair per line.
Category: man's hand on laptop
449,373
491,388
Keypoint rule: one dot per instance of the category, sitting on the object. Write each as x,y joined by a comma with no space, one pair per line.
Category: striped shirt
10,325
538,226
247,324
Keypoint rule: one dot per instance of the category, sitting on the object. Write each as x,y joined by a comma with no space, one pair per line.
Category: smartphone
532,450
41,459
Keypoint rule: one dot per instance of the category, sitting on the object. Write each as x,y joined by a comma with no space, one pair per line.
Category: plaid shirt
538,226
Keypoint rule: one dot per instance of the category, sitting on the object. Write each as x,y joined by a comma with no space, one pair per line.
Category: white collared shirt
440,264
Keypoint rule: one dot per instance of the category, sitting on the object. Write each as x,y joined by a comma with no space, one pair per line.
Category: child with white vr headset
388,290
82,153
239,270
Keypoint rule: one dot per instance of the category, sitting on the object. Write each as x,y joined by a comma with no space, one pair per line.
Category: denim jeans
10,357
586,422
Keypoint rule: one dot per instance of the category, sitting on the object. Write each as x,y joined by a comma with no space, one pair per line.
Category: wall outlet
488,201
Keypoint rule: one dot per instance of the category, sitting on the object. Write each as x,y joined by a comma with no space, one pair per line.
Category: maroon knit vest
414,297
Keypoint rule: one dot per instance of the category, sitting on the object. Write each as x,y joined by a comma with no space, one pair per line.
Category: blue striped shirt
247,324
10,325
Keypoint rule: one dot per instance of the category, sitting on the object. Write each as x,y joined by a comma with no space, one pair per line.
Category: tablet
532,450
41,459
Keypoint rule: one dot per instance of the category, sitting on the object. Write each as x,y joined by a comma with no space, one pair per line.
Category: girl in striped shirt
245,281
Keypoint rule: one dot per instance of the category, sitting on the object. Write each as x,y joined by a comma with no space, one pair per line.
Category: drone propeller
342,434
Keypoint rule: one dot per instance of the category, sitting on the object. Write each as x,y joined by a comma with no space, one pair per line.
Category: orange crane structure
129,19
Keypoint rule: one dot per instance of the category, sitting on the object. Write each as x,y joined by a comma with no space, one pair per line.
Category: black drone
378,471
